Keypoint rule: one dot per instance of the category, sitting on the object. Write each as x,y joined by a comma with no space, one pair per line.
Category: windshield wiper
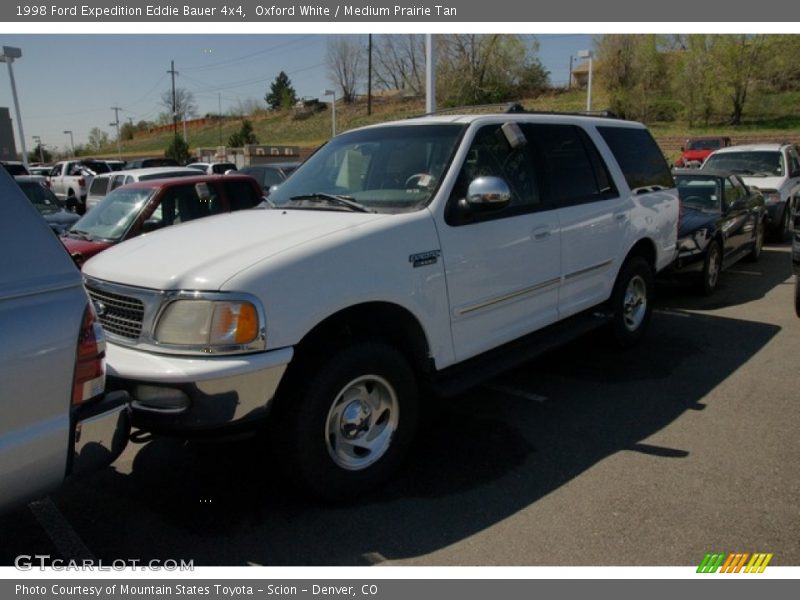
81,235
345,201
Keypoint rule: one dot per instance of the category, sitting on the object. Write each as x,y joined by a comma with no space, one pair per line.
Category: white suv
437,251
772,168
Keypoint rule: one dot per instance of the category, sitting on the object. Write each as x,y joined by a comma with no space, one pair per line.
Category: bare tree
399,63
345,64
185,106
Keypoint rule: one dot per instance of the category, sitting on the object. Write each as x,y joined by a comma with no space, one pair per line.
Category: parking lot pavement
585,456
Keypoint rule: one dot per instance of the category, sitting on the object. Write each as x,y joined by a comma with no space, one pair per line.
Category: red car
146,206
696,151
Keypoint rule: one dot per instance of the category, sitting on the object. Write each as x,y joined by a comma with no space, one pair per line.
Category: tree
737,60
345,65
97,138
178,149
40,153
281,93
185,106
399,63
244,136
694,77
477,69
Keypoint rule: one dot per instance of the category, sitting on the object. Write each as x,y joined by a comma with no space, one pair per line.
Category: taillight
90,366
81,182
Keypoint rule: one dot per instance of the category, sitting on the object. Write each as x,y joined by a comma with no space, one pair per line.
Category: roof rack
513,108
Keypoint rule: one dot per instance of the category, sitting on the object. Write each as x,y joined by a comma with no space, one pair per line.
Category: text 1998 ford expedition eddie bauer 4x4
436,250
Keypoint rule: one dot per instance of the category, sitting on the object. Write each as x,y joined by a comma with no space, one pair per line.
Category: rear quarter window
641,160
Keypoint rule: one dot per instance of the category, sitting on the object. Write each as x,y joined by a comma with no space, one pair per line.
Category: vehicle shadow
479,459
741,283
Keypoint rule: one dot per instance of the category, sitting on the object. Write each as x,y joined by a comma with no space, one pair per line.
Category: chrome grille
120,315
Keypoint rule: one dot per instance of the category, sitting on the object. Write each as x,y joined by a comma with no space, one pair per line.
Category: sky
71,82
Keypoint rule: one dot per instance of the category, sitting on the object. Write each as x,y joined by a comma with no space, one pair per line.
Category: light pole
333,109
588,54
71,141
7,56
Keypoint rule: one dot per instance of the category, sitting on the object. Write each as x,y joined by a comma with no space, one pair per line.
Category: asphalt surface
585,456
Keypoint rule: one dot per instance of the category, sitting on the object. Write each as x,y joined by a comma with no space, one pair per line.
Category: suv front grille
120,315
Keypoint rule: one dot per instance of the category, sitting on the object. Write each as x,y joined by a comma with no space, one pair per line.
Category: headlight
210,325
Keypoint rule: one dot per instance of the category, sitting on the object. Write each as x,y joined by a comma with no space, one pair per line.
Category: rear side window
241,195
99,186
639,157
573,167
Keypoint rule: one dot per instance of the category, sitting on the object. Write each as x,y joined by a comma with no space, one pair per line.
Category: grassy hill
770,117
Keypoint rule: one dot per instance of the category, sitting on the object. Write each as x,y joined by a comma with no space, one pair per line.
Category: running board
479,369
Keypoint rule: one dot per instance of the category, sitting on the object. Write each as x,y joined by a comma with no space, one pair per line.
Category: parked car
116,165
435,251
270,174
56,420
796,258
213,168
70,181
57,217
155,161
42,171
103,184
14,168
772,168
696,150
148,205
722,221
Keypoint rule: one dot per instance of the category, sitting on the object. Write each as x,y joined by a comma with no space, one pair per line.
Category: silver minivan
56,420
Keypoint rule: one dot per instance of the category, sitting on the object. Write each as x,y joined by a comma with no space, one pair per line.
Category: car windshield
761,163
698,192
43,200
385,169
112,217
703,145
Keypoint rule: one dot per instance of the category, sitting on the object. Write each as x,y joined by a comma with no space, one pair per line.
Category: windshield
112,217
698,192
703,145
763,163
385,169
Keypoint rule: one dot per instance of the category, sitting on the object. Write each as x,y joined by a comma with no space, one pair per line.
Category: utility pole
369,77
173,72
430,73
569,79
116,110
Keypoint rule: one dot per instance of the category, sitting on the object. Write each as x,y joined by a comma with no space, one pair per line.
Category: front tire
352,424
758,242
632,301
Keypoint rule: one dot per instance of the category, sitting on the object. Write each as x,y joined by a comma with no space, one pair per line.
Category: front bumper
196,394
100,433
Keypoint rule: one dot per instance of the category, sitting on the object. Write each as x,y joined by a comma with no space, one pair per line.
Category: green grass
768,116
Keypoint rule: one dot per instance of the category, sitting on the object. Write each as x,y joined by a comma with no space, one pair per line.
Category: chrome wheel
713,264
635,303
361,422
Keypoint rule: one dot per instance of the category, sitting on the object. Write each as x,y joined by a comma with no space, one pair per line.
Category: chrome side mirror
486,192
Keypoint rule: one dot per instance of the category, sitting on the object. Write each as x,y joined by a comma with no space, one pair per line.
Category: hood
61,217
83,250
692,220
699,155
764,183
204,254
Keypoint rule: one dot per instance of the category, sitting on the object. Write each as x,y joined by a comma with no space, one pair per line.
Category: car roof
768,147
704,172
199,178
147,171
274,165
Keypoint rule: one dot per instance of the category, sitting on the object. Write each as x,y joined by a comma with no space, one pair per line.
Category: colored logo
735,562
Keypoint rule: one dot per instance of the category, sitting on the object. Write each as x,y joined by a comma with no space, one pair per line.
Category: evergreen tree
178,149
281,93
244,136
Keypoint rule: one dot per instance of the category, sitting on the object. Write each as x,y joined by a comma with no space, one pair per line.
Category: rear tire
632,301
712,267
348,428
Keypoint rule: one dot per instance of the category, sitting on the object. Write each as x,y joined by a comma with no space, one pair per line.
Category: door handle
541,233
620,216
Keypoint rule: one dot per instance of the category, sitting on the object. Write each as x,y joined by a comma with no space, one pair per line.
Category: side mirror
271,190
152,225
488,192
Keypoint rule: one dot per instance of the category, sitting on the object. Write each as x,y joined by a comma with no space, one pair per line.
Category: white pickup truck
439,250
70,180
